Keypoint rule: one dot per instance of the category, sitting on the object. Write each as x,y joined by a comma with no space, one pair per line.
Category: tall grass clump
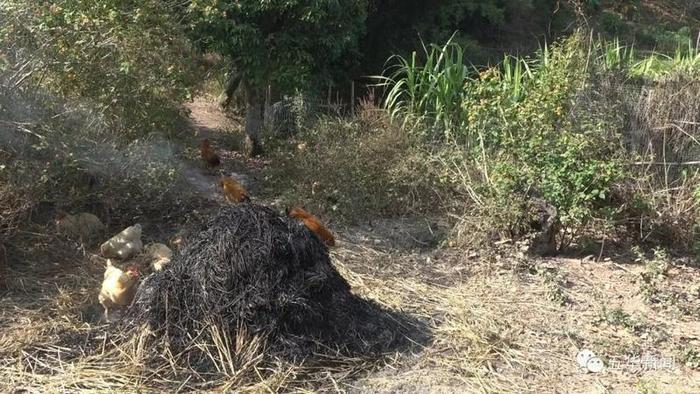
660,94
426,90
662,128
614,56
685,61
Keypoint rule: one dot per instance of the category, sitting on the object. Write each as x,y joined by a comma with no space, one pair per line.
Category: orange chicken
118,287
233,191
313,224
211,159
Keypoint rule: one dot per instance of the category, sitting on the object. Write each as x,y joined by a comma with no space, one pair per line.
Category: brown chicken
81,226
160,255
211,159
233,191
313,224
118,287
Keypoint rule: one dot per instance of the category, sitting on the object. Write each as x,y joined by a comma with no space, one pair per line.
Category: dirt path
208,121
226,134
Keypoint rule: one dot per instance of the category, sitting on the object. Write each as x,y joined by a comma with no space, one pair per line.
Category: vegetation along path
514,195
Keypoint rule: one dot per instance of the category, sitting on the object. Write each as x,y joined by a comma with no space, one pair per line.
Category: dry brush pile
251,273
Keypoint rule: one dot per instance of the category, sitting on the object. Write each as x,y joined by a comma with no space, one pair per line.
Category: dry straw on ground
493,325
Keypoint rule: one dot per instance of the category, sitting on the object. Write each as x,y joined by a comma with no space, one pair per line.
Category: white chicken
83,226
159,254
124,245
118,287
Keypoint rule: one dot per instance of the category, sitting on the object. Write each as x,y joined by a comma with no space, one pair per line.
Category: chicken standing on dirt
233,191
83,226
118,287
159,254
313,224
124,245
211,159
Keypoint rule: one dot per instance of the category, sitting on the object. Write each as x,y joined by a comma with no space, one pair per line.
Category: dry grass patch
491,323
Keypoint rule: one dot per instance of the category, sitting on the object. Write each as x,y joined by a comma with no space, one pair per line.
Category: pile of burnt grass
251,270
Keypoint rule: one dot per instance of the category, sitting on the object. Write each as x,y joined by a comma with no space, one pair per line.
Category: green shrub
542,137
613,23
528,129
128,60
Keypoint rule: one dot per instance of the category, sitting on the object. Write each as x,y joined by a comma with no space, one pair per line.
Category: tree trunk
253,120
231,86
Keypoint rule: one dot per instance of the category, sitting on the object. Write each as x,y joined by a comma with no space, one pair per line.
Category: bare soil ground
498,320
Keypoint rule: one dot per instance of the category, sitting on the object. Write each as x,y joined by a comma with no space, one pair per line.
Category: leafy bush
549,144
528,128
58,156
613,23
83,88
129,60
684,62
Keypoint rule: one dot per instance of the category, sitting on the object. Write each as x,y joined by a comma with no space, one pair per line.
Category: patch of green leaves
620,318
655,271
426,90
285,44
128,60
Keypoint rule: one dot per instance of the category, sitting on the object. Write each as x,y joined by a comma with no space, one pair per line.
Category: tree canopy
131,60
280,42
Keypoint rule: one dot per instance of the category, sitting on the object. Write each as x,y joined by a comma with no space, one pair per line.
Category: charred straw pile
251,270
